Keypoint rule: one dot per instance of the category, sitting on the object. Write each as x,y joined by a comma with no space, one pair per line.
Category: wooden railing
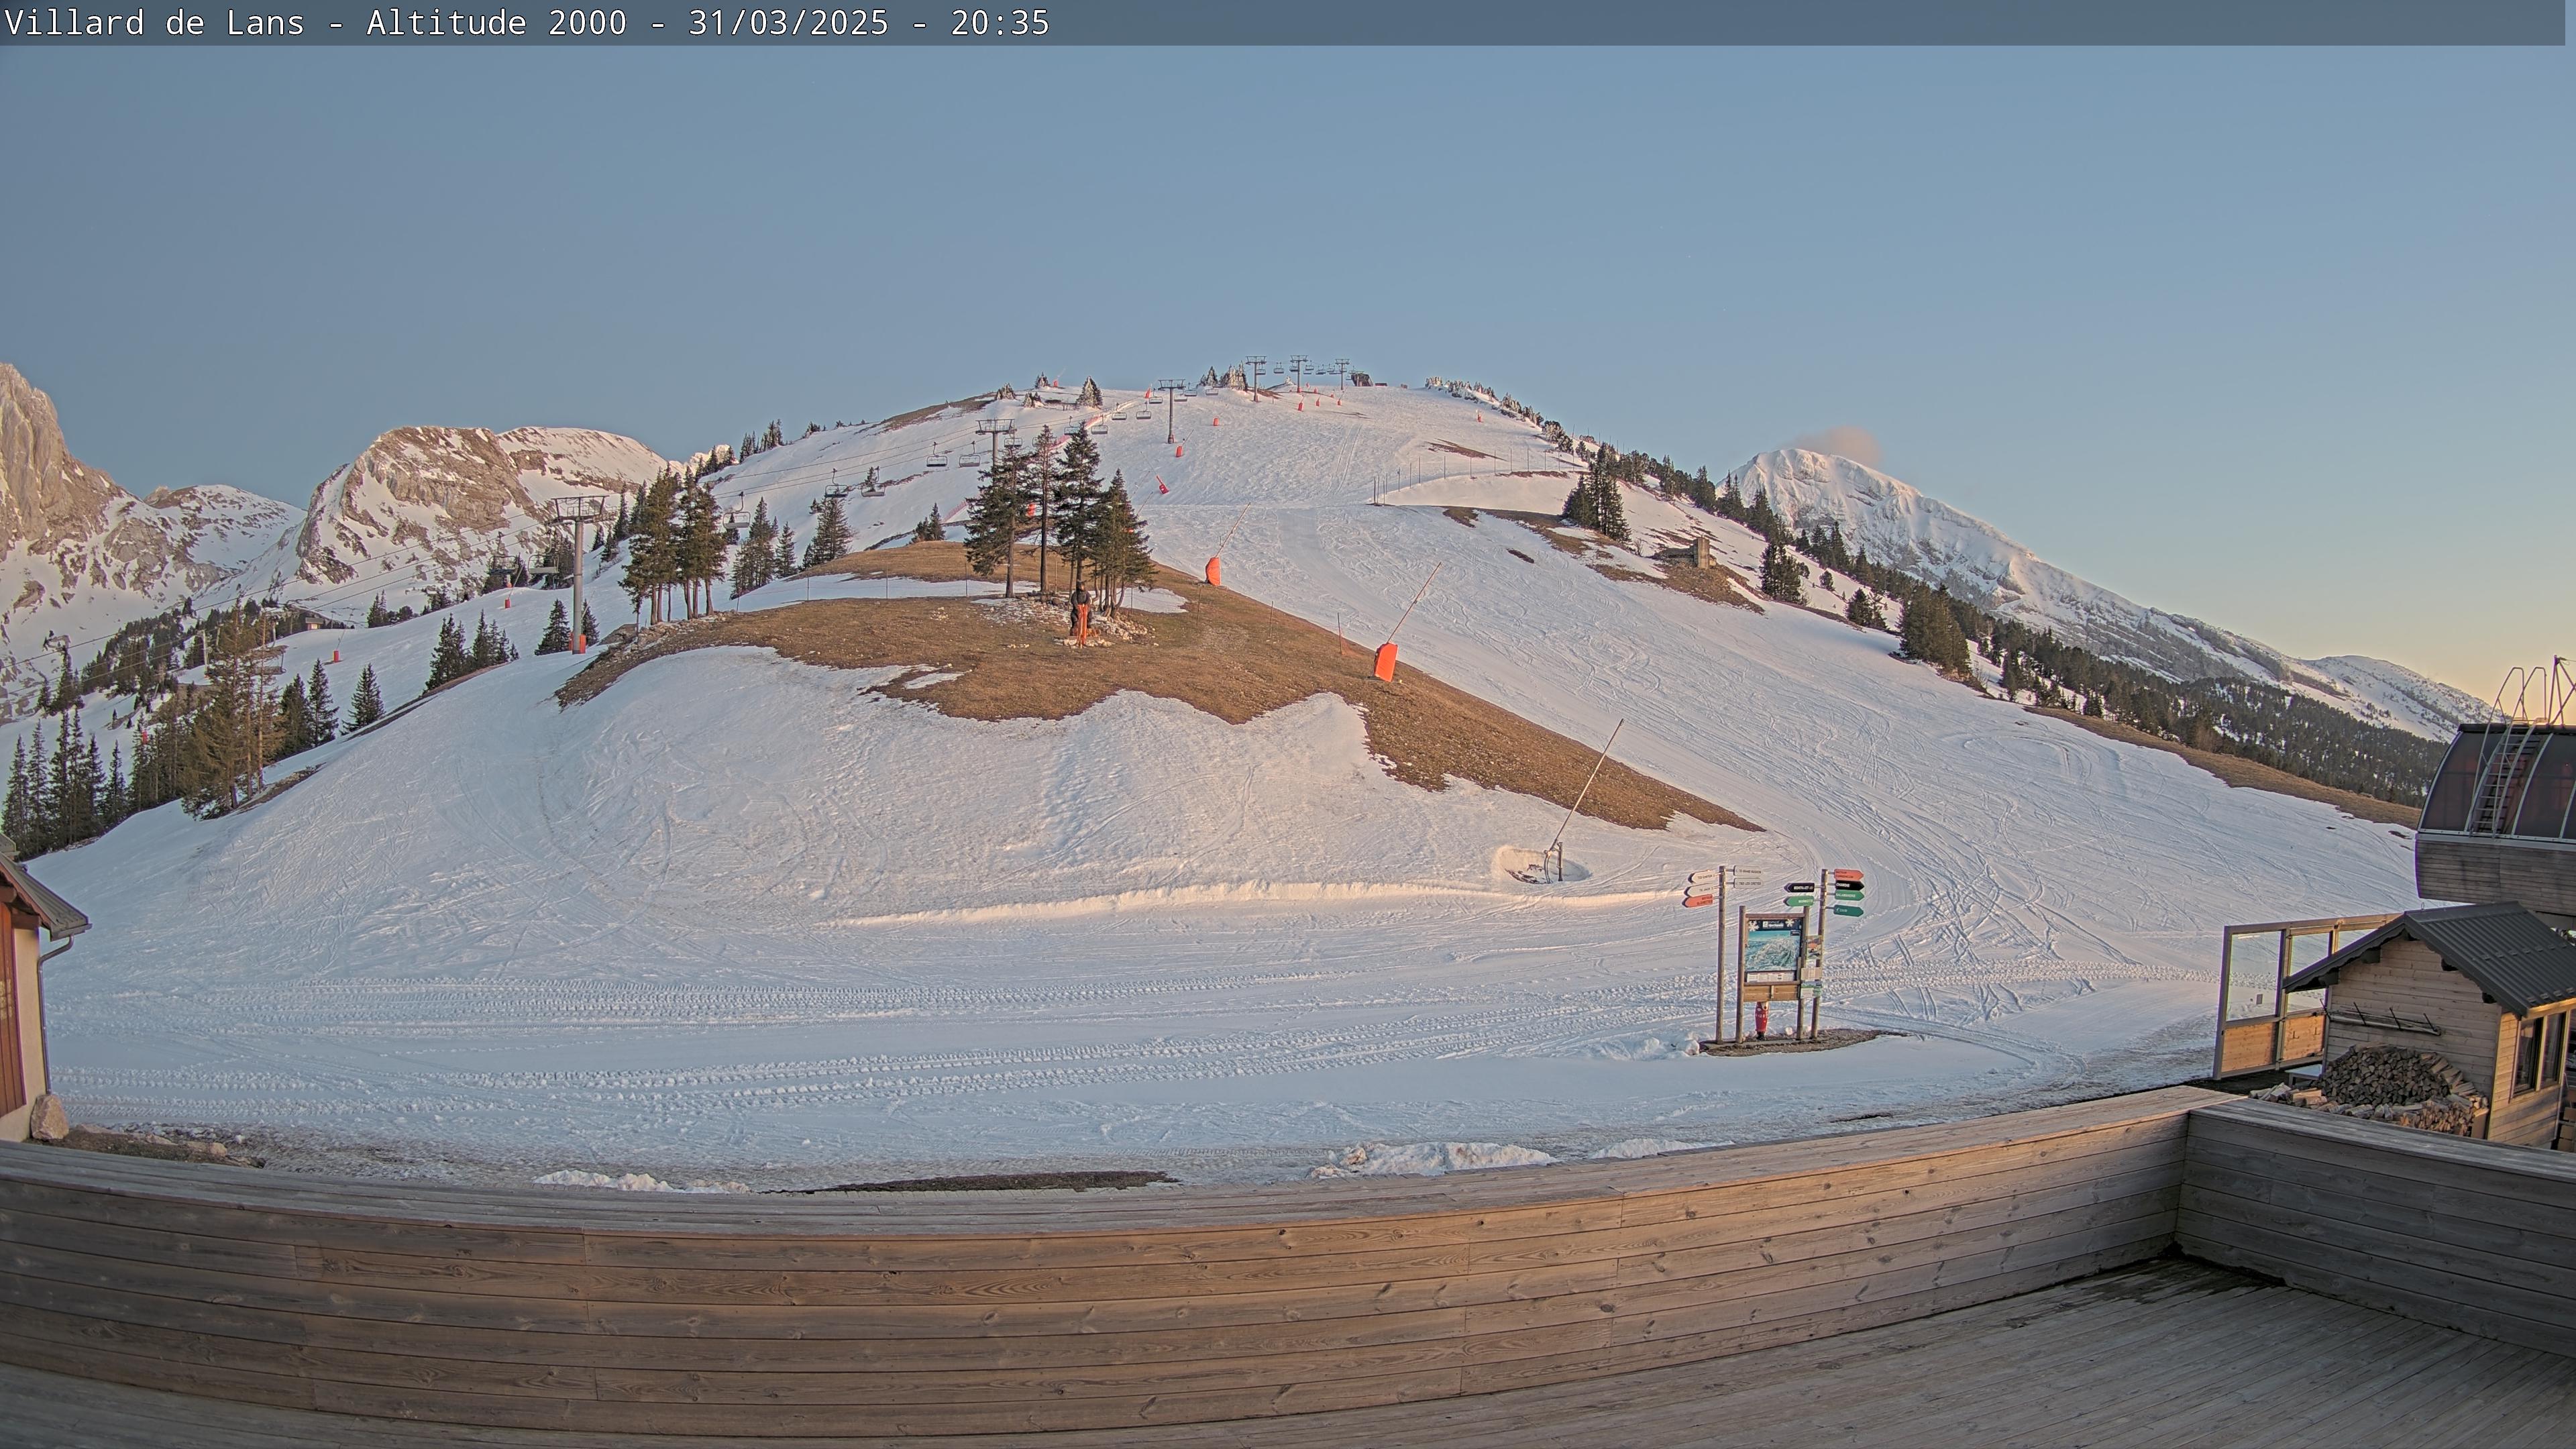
2469,1235
769,1316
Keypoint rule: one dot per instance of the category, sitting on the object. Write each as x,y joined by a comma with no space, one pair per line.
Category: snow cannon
1215,573
1385,668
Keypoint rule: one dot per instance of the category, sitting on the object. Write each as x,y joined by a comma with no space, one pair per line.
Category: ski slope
746,917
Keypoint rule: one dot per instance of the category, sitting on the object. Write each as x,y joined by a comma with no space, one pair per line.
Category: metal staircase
2503,778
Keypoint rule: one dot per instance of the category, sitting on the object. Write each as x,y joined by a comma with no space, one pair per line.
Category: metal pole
580,641
1597,762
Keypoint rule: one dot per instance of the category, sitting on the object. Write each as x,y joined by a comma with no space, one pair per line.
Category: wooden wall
2527,1118
2410,980
766,1316
2470,1235
2540,875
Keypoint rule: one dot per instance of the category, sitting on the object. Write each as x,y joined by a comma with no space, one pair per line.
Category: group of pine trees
1595,503
453,658
675,543
1053,493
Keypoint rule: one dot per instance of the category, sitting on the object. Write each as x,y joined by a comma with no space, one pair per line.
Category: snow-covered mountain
80,556
738,909
1900,525
426,508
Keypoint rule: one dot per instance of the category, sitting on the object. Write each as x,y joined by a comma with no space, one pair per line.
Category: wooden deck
2170,1352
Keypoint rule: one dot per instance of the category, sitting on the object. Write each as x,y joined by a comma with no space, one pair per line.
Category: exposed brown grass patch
1717,583
1466,516
1461,449
1227,655
2245,774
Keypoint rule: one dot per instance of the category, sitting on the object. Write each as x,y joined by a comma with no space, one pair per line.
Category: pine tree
699,549
558,636
1783,577
1763,519
1932,634
652,555
1037,481
1595,502
18,815
1864,610
378,615
324,715
784,566
996,517
367,705
831,533
490,646
232,721
448,660
118,800
1076,481
589,627
294,721
1089,397
1121,554
930,530
755,559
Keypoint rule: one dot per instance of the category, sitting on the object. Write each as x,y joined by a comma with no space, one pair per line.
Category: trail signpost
1779,955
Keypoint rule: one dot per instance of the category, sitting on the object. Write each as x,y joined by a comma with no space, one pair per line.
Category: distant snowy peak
427,508
80,556
1900,525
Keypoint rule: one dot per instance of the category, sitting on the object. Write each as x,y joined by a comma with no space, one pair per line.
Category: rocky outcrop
46,494
80,556
427,507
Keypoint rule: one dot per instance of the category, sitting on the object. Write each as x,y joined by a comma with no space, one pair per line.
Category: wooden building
32,908
2488,988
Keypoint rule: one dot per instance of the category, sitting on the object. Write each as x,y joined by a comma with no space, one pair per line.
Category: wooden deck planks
2120,1359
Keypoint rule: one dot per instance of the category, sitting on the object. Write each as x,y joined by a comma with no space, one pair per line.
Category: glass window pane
2306,950
2553,783
2455,784
2253,974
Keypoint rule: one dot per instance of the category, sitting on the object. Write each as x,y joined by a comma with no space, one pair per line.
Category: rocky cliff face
80,556
428,508
46,494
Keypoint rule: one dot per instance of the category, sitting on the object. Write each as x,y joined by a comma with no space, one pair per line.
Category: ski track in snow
741,912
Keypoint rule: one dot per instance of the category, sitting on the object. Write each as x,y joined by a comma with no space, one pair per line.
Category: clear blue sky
2276,338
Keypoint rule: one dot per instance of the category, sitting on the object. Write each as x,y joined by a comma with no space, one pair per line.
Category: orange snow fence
1386,661
1215,575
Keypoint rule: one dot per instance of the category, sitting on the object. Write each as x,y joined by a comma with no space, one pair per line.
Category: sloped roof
62,919
2514,956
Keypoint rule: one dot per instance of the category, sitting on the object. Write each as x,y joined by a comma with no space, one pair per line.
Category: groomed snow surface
742,919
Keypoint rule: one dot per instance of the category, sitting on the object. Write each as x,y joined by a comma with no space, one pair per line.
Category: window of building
2553,1050
2526,1054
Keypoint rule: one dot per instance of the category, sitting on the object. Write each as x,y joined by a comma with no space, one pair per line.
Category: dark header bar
1308,23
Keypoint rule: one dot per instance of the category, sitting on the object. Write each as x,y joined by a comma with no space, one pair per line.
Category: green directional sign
1847,910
